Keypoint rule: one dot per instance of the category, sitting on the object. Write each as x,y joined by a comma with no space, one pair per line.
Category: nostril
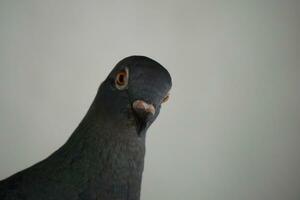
142,106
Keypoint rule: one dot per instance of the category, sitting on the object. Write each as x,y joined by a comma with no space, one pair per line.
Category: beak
143,108
142,112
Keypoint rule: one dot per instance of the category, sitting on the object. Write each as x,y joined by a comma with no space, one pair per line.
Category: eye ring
166,98
121,79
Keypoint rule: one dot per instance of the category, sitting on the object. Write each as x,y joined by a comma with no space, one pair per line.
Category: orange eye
122,79
166,98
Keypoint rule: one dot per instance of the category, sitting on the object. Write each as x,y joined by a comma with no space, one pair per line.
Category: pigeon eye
166,98
122,80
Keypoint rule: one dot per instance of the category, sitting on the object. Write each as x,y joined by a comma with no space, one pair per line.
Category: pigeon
103,159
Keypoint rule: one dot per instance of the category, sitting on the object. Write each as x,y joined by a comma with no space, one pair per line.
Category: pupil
121,78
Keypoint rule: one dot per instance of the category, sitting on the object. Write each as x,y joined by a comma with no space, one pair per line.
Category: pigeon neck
110,151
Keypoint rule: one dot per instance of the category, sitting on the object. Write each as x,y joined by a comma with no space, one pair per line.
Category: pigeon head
135,90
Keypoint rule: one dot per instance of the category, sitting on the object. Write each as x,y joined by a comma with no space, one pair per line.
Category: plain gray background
231,129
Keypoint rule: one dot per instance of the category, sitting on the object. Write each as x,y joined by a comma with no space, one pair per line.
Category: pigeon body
104,157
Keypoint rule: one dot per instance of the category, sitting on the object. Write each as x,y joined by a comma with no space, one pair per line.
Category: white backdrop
231,129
